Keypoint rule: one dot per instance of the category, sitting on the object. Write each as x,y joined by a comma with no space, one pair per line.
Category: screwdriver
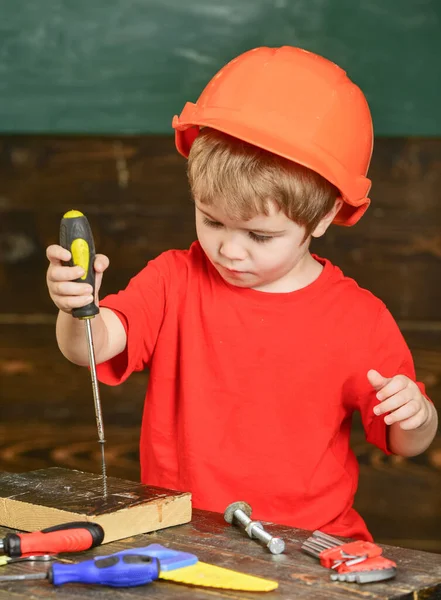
67,537
116,570
76,236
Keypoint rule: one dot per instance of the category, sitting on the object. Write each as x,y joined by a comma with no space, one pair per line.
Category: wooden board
47,497
135,194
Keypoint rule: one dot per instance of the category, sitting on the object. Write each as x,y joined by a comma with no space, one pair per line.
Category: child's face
266,253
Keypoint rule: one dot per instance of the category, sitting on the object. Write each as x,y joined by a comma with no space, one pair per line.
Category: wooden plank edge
118,525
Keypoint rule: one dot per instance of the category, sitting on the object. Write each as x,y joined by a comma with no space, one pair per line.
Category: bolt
240,512
275,545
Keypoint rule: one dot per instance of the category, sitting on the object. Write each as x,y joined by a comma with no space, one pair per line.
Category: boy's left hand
402,398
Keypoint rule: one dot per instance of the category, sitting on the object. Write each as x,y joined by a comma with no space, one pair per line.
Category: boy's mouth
234,272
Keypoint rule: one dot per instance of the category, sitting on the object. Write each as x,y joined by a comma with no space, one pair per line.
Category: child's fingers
101,263
65,290
57,254
71,288
70,302
413,422
395,385
419,419
408,410
377,380
57,272
394,402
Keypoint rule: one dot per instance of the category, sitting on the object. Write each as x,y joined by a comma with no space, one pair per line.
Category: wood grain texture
135,194
214,541
44,498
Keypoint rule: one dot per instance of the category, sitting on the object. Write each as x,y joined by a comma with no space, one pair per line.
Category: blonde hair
241,178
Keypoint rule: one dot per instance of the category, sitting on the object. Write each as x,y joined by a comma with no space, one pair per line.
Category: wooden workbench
214,541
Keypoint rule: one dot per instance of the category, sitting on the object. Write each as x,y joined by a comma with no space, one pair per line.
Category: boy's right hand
66,293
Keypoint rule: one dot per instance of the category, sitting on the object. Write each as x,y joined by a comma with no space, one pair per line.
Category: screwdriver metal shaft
96,400
27,577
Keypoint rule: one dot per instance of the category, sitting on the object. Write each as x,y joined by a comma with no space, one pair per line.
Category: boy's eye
259,238
210,223
254,236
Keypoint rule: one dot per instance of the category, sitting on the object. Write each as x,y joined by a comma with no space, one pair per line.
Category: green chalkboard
127,66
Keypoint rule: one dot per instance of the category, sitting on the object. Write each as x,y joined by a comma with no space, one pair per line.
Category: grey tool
240,512
76,236
327,538
365,576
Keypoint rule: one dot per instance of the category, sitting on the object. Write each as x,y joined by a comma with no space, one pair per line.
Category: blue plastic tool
128,568
115,570
170,559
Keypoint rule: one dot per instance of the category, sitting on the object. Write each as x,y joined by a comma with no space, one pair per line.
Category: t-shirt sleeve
140,307
389,355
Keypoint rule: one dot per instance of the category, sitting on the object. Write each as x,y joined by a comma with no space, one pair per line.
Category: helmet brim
353,193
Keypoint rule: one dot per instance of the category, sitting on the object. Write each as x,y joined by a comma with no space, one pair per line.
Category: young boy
259,352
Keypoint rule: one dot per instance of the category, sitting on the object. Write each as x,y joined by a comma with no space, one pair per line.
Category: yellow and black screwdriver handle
76,236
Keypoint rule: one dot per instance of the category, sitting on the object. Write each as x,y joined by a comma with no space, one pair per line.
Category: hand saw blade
183,567
206,575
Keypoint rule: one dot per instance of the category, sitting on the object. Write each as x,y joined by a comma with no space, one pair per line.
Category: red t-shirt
250,394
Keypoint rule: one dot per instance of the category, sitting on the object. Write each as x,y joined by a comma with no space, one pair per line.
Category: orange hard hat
295,104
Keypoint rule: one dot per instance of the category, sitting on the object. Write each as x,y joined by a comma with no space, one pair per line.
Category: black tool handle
76,236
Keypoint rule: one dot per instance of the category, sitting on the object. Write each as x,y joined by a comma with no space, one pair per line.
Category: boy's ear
327,219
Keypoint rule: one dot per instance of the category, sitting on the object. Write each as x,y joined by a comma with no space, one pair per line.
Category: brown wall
134,192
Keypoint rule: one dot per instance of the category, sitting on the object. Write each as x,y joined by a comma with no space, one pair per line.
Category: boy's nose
231,249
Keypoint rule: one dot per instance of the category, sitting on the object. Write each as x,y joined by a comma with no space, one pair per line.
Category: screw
241,511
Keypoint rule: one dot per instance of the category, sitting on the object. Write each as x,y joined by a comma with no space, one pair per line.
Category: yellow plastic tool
205,575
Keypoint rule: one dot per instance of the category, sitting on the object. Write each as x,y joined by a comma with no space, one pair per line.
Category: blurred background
88,90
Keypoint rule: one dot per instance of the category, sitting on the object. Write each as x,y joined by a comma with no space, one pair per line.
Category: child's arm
412,419
109,335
